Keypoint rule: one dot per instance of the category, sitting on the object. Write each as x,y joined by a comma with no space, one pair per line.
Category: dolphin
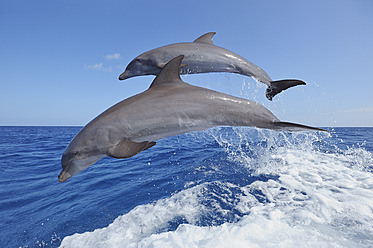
202,56
169,107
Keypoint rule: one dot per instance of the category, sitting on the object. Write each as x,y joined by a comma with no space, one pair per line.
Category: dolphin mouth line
71,168
60,176
63,176
124,75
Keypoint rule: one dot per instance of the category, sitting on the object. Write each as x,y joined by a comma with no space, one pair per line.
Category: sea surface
223,187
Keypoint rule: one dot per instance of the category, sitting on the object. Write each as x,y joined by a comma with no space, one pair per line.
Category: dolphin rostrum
169,107
202,56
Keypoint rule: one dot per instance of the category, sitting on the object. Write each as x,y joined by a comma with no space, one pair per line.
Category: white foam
315,199
141,222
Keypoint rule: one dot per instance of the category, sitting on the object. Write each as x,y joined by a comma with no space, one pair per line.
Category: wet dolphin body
169,107
202,56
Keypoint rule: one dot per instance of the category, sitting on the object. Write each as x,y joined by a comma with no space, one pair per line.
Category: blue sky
60,60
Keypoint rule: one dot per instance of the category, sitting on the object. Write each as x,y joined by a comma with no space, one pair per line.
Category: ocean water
223,187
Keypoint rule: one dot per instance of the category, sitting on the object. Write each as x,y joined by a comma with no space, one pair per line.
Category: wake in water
275,190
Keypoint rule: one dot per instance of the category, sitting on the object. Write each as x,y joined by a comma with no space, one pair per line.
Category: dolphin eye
75,153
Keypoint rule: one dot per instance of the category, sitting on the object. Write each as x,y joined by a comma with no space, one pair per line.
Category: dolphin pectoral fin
150,144
205,39
128,148
280,85
288,126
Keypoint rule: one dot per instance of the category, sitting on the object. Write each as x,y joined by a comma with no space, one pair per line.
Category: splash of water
305,191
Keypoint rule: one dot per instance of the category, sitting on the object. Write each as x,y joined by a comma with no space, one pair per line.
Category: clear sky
60,60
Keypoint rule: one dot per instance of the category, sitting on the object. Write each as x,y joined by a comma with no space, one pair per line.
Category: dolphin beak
64,175
124,75
71,166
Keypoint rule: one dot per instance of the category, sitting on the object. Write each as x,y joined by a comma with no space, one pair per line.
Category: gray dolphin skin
169,107
202,56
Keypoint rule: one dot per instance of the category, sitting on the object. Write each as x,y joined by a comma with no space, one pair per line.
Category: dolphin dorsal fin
170,73
205,39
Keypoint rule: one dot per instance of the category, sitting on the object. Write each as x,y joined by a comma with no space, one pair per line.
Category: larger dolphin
203,56
169,107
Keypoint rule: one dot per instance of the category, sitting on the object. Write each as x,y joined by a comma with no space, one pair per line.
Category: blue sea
223,187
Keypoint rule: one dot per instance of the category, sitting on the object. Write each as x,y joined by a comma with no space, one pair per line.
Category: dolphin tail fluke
280,85
288,126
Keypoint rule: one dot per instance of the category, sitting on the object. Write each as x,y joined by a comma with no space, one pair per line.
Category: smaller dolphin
169,107
202,56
